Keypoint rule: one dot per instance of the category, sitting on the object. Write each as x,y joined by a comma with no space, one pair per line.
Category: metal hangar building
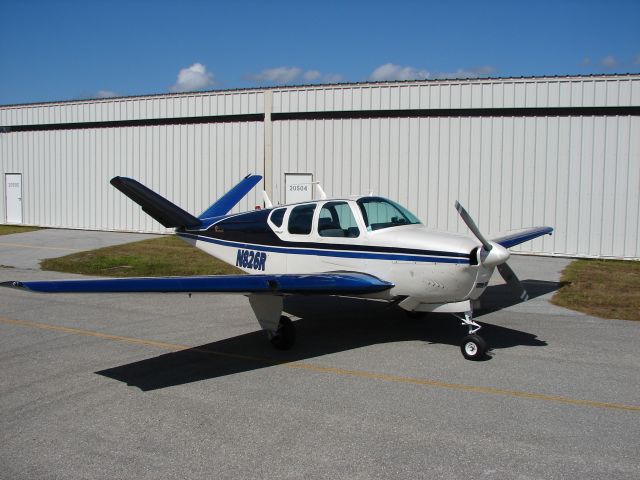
517,152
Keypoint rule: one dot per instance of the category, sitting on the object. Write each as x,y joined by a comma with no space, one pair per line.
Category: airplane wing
521,236
335,283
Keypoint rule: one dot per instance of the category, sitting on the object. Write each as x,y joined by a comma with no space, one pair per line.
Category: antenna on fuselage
267,200
321,194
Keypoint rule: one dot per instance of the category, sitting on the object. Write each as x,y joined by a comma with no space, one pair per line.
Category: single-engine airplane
363,246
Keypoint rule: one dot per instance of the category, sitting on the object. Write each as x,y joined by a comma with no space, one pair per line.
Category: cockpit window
277,216
337,220
383,213
300,219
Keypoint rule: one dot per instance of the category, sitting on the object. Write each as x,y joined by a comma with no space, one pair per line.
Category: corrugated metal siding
192,105
578,174
66,172
510,93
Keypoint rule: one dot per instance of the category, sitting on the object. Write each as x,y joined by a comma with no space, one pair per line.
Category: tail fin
231,198
161,209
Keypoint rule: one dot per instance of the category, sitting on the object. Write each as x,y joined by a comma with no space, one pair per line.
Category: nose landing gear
473,346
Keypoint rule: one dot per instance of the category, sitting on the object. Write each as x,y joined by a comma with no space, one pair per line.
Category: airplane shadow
326,325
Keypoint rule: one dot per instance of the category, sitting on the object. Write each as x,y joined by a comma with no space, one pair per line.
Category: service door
299,187
13,192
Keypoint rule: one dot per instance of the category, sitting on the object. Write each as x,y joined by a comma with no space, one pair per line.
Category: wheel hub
471,348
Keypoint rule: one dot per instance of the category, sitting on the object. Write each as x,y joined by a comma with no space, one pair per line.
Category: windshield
382,213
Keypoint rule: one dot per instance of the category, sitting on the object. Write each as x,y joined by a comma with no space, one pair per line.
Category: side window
337,220
300,219
277,216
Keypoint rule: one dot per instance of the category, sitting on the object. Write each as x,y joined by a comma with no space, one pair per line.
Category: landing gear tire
285,336
473,347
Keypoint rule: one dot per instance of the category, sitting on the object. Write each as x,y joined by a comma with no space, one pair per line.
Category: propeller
466,218
513,281
494,255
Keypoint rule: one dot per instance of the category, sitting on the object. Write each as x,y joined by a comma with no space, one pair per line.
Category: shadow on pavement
499,297
326,325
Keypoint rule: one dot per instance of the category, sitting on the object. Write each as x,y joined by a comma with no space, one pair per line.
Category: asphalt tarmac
167,386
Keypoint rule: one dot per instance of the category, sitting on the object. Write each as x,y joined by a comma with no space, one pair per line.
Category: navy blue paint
323,283
231,198
167,213
330,253
517,238
252,228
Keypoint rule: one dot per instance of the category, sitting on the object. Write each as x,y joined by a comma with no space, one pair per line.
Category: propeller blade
466,218
513,281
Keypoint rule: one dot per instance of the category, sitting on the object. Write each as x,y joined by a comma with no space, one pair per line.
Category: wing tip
14,284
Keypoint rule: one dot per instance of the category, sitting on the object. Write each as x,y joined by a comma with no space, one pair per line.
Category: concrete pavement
167,386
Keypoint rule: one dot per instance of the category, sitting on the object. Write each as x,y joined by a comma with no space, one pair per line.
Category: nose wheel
473,346
285,336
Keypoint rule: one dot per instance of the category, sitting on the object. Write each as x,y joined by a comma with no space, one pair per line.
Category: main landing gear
268,311
473,346
285,335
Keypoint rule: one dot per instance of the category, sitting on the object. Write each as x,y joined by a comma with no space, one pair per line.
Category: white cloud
473,72
585,61
277,75
105,94
390,71
636,60
609,61
290,75
483,70
194,78
311,75
332,78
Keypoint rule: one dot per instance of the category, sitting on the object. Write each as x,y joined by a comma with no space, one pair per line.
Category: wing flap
521,236
338,283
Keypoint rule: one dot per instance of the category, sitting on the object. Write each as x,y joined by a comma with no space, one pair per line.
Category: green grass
9,229
603,288
167,255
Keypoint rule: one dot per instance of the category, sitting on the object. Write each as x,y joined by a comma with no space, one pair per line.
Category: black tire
415,315
473,347
285,336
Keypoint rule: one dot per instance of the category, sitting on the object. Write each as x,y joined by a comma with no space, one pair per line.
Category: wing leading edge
521,236
337,283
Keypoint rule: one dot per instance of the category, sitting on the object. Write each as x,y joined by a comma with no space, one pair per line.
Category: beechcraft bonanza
366,246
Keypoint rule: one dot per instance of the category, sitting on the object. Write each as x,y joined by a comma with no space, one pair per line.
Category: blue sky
62,50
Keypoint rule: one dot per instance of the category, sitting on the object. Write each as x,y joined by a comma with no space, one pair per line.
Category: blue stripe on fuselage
327,253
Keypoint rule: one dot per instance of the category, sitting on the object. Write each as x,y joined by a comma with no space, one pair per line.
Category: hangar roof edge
594,76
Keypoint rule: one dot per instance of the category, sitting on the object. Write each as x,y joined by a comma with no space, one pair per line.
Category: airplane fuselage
428,266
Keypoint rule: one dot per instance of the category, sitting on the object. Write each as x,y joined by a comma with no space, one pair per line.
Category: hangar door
13,192
298,187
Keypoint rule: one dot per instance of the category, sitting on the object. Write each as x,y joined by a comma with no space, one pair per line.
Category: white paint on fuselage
427,281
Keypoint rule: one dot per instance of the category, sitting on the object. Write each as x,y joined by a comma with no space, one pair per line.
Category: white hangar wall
577,174
66,170
515,152
559,151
